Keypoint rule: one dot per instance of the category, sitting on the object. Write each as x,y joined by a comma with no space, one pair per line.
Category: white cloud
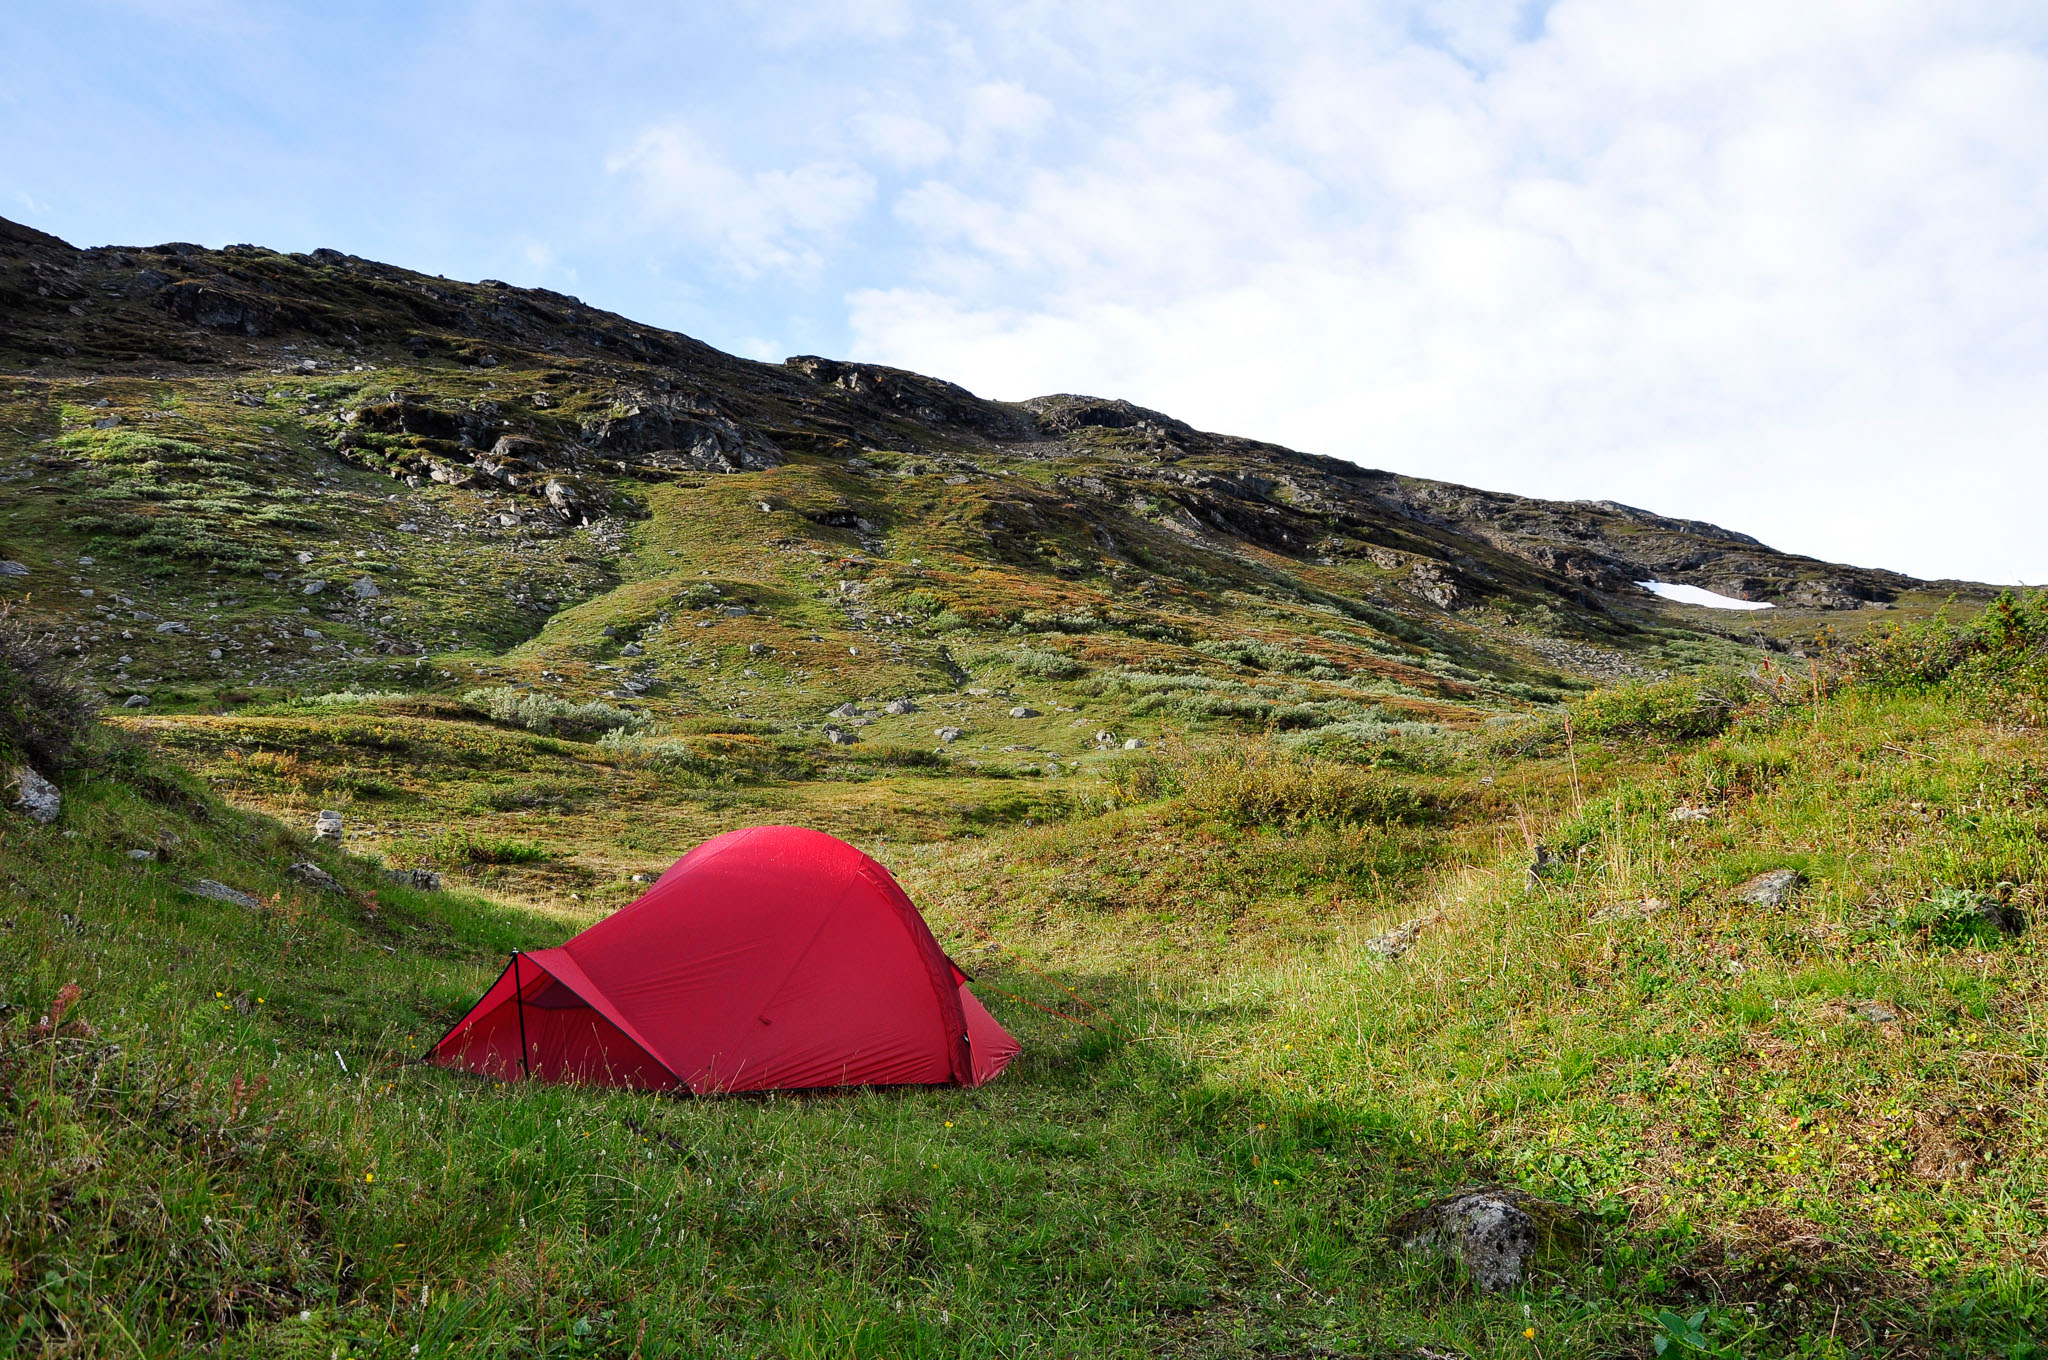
904,141
1776,265
759,220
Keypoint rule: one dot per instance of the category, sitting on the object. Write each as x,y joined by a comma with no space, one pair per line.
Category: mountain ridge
186,403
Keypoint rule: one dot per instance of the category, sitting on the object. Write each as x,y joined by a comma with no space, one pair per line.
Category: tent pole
519,1005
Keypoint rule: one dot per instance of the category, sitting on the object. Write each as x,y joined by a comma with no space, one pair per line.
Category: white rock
1134,744
632,649
949,734
173,626
1023,711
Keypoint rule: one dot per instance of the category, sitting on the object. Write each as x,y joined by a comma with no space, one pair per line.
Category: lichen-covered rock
35,797
221,892
1492,1230
1772,888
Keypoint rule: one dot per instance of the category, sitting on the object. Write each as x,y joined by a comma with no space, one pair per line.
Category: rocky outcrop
681,435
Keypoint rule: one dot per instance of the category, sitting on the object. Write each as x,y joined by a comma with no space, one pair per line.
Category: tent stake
519,1005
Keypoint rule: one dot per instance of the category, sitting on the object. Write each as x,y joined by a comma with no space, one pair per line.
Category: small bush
1044,665
45,710
1685,709
357,696
550,716
660,753
1257,785
1958,918
2000,656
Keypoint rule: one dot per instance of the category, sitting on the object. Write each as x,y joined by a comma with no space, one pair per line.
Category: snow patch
1699,595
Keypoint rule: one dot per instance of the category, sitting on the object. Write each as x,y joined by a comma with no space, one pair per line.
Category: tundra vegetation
1333,841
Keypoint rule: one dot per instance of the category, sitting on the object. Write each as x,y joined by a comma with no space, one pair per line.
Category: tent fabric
772,958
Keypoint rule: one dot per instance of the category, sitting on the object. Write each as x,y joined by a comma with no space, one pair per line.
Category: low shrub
1260,785
1044,665
45,709
357,696
551,716
1958,918
1684,709
2000,656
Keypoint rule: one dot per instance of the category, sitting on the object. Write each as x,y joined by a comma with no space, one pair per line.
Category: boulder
313,876
632,649
1691,814
848,710
949,734
1491,1230
173,626
136,701
313,587
327,828
364,589
221,892
36,797
13,569
1772,888
840,737
1024,711
563,500
898,707
422,880
1134,743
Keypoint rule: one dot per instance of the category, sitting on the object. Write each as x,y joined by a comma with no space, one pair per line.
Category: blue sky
1781,266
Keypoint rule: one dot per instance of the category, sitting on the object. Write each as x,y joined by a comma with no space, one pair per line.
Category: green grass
228,1142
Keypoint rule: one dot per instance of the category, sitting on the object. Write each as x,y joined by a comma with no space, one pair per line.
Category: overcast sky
1779,265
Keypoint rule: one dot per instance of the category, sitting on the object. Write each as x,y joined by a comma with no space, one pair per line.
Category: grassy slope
1207,1173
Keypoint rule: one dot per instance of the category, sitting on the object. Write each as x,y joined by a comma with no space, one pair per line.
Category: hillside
233,437
1333,840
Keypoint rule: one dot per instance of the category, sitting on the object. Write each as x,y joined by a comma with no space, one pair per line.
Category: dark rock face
658,434
216,309
930,401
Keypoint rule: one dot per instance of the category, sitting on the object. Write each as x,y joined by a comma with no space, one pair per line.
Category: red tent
769,959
